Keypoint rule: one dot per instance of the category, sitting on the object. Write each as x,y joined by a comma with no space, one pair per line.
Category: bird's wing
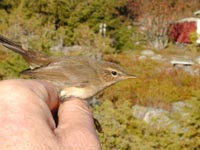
54,75
62,73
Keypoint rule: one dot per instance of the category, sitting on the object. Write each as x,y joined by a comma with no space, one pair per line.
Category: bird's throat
83,92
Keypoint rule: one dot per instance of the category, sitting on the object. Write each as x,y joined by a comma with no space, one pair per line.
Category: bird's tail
33,58
12,45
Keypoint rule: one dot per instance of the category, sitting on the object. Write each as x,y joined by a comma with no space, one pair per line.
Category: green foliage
193,46
123,131
34,17
3,19
123,38
115,123
192,123
86,37
12,65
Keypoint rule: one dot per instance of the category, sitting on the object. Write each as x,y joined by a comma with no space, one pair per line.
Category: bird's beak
129,76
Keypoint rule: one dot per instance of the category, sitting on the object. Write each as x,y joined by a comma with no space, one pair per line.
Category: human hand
26,121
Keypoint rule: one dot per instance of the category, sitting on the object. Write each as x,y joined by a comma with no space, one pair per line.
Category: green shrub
11,65
124,132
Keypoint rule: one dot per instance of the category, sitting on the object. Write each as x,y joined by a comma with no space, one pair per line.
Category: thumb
75,125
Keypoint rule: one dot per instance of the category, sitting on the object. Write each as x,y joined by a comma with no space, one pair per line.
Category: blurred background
156,40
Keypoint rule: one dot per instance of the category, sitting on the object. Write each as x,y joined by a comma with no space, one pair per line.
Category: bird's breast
81,92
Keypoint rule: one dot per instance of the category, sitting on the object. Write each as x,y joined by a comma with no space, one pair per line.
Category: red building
181,30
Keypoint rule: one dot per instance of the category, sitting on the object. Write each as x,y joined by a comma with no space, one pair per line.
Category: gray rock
197,71
139,111
157,118
197,60
157,57
148,113
147,53
153,114
58,47
73,48
142,57
189,70
180,106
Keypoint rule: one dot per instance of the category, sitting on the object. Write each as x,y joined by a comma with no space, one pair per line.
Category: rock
147,113
73,48
94,102
197,60
154,114
139,111
58,46
189,70
157,57
157,118
147,53
142,57
180,107
197,71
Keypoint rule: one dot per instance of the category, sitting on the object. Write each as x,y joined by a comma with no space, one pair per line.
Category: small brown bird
81,77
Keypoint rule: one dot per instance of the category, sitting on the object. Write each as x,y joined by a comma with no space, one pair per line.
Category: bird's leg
97,125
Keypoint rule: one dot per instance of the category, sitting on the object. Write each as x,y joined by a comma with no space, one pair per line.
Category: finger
45,91
75,127
25,116
31,95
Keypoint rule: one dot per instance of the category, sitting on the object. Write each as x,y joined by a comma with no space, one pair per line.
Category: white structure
198,31
198,26
102,29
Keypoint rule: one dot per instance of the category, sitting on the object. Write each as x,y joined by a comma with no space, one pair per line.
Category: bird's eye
114,73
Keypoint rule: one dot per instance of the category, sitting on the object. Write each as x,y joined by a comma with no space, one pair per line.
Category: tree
155,17
36,16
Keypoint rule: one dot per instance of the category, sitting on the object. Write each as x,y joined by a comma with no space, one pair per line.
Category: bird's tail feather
12,45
